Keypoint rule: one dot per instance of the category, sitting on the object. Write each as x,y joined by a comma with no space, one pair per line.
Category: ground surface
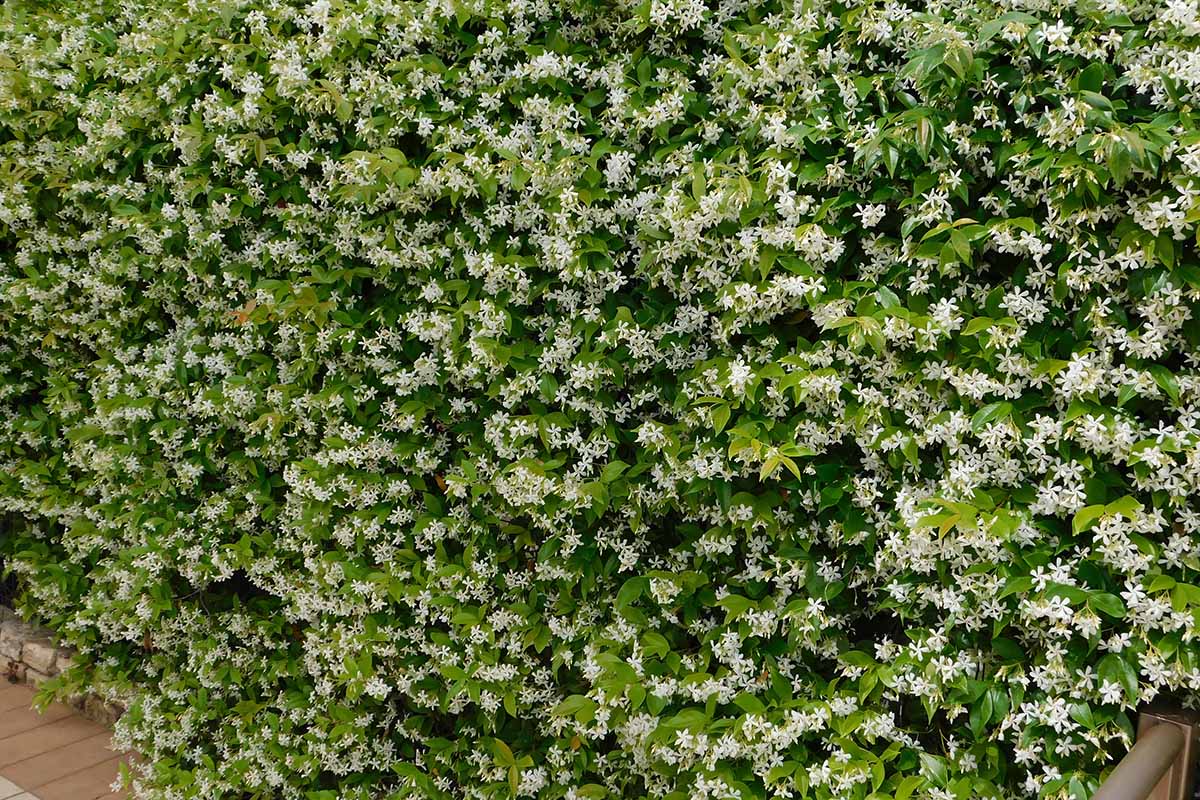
58,755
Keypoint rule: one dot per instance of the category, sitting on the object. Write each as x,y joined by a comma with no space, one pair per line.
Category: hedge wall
603,399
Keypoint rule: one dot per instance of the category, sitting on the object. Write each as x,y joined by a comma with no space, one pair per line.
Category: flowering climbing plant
606,398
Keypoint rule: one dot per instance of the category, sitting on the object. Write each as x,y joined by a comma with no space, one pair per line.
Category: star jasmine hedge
600,399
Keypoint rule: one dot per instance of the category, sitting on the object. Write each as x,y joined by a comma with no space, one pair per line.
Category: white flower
1057,36
740,374
1111,692
377,687
870,214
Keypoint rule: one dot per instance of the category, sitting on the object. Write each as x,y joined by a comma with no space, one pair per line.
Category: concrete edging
10,791
29,654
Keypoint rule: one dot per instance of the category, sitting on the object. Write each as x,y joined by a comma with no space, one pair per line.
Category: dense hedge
586,398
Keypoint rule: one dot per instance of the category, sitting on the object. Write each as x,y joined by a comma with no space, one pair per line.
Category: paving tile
14,696
16,721
13,689
50,761
8,789
89,783
58,755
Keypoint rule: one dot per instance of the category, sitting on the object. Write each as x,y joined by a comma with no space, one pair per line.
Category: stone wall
29,655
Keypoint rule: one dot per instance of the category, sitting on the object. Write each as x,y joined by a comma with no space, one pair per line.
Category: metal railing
1161,764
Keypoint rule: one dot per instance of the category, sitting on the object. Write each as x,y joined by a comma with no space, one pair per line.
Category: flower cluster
571,399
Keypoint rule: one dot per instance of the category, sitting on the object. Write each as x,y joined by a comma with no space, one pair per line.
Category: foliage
578,399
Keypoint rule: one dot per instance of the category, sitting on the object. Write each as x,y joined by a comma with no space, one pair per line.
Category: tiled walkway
58,755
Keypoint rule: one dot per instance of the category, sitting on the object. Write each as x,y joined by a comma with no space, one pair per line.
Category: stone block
13,634
97,710
112,713
11,671
34,677
39,654
92,704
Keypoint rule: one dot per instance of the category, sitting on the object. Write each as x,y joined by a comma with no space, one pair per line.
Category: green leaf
1115,669
1107,603
1007,649
1016,585
1166,381
1085,517
857,658
735,605
1185,596
1126,506
689,718
792,467
699,182
502,753
612,470
749,703
961,245
981,713
655,644
924,137
958,58
768,467
1096,100
573,705
977,325
1119,163
1082,713
907,786
720,417
644,71
1127,393
1091,79
934,768
1161,583
988,414
891,158
1072,593
887,298
631,590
